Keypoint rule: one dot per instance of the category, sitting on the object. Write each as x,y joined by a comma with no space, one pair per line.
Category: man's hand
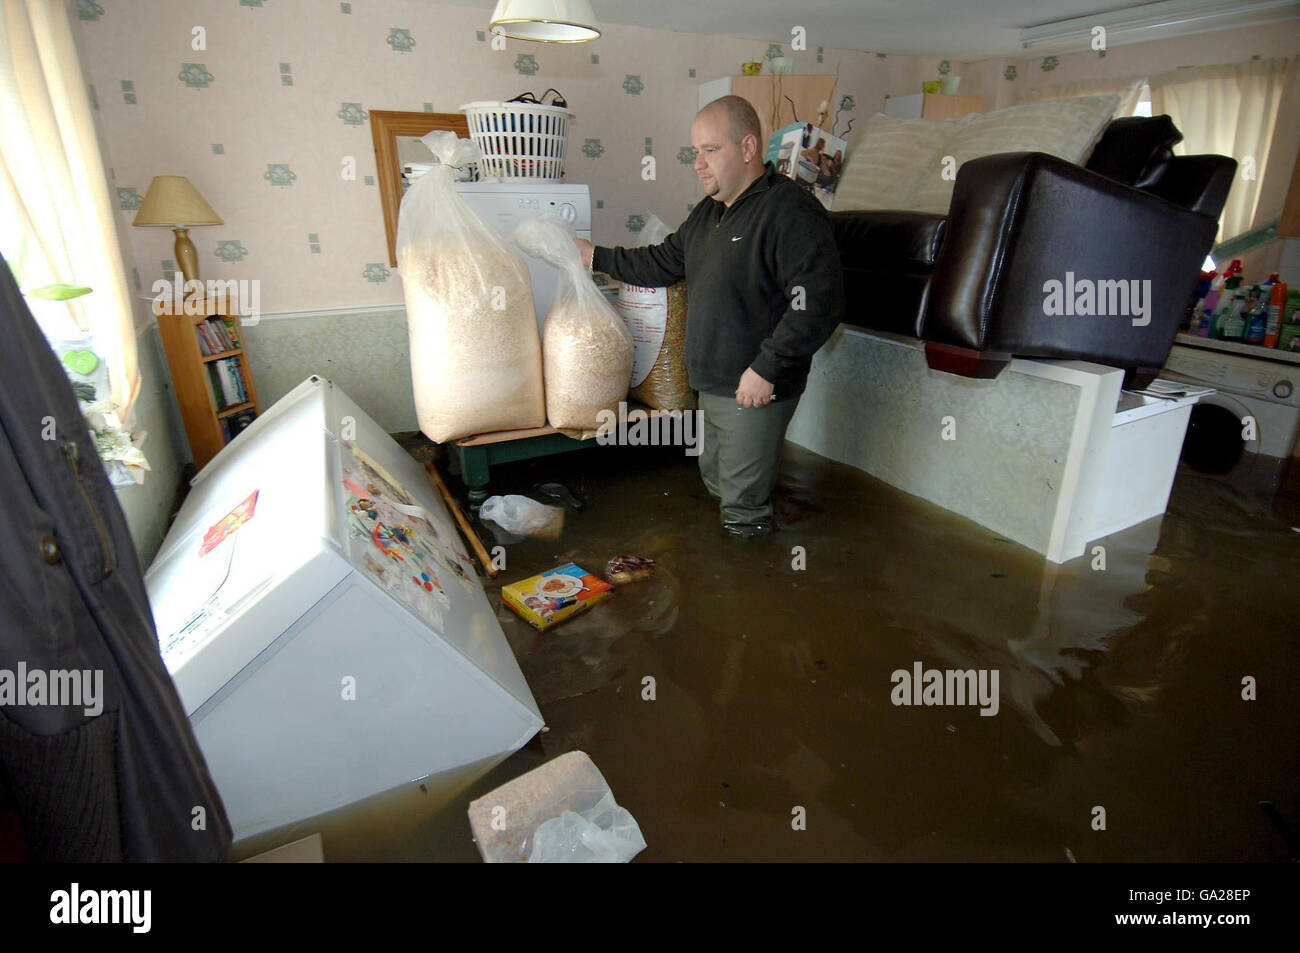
753,390
586,249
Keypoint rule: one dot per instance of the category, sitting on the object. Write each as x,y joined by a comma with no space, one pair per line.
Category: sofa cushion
900,313
887,159
887,249
1133,149
1064,128
888,239
1199,183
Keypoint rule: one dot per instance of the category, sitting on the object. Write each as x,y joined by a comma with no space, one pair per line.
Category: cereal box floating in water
549,598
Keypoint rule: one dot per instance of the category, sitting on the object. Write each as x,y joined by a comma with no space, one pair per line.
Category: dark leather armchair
975,285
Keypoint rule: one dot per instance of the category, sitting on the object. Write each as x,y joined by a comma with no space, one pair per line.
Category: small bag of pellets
625,569
656,318
561,812
476,359
586,348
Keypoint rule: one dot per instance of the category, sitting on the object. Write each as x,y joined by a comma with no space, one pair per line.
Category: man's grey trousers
740,455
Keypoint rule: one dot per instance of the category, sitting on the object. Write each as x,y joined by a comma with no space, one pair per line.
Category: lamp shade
174,202
546,21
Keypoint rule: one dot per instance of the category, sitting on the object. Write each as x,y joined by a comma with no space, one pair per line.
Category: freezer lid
252,548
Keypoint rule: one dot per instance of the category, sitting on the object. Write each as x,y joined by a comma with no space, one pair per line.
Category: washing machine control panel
1193,365
1237,374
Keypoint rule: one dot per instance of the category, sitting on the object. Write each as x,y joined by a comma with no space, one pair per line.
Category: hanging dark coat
129,782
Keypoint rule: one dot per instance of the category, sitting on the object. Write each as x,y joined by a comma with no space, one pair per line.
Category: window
57,223
1229,110
1143,106
31,270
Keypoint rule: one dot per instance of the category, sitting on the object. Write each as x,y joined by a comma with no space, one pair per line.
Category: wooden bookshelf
202,410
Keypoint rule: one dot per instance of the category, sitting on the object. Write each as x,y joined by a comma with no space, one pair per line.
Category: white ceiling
958,29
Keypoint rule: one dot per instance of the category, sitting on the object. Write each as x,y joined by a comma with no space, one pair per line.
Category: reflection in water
1120,678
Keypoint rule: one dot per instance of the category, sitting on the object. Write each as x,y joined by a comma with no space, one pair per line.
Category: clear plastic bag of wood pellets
476,357
656,318
586,348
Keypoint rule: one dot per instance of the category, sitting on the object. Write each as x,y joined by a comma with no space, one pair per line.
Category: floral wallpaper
264,105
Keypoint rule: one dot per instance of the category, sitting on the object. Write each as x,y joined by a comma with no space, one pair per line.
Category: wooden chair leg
965,361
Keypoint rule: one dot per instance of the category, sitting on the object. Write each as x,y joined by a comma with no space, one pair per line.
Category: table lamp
174,203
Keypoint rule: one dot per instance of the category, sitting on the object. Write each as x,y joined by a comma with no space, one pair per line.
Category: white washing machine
504,205
1263,386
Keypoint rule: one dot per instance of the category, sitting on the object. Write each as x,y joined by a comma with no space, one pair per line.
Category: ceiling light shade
1154,21
545,21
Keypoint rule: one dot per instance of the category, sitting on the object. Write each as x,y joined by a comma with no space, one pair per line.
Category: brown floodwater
1120,678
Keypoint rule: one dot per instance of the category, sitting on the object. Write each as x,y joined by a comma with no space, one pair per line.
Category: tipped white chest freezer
323,623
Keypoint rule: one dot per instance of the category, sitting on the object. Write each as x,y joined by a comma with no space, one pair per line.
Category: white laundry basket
520,142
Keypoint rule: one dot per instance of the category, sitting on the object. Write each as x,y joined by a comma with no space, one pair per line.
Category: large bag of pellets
476,359
586,348
656,318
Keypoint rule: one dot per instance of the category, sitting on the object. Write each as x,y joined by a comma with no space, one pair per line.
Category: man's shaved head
727,140
741,118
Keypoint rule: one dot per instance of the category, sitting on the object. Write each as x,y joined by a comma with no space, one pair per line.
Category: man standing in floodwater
766,291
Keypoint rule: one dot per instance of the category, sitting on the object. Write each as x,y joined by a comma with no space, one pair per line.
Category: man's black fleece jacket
766,287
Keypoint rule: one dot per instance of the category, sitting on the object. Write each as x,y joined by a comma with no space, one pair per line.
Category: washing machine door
1220,437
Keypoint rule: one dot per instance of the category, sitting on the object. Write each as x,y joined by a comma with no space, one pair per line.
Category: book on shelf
237,378
214,381
227,384
216,335
232,382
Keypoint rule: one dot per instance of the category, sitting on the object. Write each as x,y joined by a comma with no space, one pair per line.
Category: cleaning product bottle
1288,337
1228,325
1257,316
1192,314
1205,307
1276,302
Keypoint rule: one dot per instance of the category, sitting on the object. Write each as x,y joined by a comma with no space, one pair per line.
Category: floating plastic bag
603,834
656,318
523,516
475,354
561,812
586,348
